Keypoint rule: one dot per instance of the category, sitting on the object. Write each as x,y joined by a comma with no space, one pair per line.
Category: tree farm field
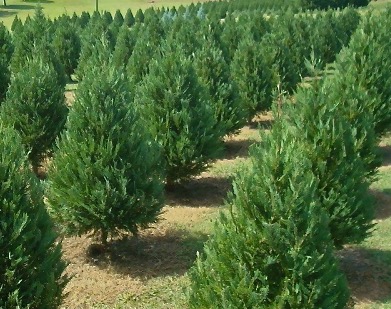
150,271
56,8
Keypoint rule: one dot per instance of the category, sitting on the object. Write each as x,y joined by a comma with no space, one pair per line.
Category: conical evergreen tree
16,24
139,17
253,71
107,152
213,73
179,114
35,39
66,45
273,250
182,31
368,59
231,36
129,19
145,51
31,268
334,147
35,107
118,19
124,47
84,20
6,50
97,45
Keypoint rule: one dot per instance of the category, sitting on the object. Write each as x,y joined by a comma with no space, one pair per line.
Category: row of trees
228,79
306,190
222,8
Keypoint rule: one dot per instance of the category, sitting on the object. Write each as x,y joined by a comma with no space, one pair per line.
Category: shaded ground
369,280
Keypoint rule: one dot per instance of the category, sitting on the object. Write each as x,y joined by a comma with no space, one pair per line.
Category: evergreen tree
213,73
144,52
97,44
66,45
368,59
6,50
84,19
35,107
179,114
129,19
16,24
124,46
118,19
35,39
31,268
108,153
182,31
231,36
334,147
139,17
107,18
273,249
252,69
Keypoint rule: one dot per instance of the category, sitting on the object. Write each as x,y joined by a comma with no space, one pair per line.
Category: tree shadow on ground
154,253
383,203
39,1
5,13
19,7
236,149
199,192
368,272
385,152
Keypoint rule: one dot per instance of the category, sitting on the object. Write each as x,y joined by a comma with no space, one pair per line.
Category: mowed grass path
54,8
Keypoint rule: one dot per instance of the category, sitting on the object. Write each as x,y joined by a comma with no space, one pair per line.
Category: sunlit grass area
54,8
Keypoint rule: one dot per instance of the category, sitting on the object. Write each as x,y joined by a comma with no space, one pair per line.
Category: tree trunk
104,236
5,3
96,6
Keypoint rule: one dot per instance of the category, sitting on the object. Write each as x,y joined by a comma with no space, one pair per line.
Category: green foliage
231,36
84,19
66,45
16,24
273,250
97,46
124,46
179,114
213,73
335,145
35,38
129,19
331,31
6,50
35,107
367,60
139,17
358,106
332,4
107,151
118,19
31,268
182,31
107,18
145,51
252,69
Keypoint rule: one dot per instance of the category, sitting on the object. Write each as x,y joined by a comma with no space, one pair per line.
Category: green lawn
54,8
